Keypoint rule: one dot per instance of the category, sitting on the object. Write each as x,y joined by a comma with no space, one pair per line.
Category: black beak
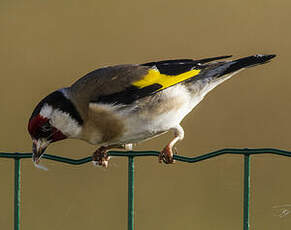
37,151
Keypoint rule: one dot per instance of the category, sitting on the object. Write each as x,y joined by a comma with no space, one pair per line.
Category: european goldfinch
117,106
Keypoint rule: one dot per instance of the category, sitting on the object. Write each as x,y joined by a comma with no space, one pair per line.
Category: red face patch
36,123
57,135
39,127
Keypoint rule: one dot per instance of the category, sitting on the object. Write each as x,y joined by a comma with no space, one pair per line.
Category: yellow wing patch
155,77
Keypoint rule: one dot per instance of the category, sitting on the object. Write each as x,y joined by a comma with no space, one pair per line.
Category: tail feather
182,62
220,69
205,60
248,62
213,74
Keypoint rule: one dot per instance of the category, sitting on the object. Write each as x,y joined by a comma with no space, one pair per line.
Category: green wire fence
131,155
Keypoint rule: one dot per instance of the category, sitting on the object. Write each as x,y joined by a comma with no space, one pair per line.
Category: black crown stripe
58,101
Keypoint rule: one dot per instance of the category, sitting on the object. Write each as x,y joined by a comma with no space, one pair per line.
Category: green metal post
246,220
16,193
130,193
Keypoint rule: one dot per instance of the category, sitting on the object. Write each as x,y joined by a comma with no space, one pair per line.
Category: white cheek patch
61,121
64,122
46,111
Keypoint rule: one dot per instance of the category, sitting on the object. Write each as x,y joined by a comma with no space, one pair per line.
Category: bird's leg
166,155
100,156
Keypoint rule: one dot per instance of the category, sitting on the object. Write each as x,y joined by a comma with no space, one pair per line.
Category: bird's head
55,118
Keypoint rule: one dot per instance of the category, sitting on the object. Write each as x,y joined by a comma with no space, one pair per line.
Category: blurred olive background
45,45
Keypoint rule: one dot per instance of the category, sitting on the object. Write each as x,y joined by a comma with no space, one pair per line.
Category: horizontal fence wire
246,152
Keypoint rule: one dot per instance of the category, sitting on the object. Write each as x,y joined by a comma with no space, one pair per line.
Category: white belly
165,111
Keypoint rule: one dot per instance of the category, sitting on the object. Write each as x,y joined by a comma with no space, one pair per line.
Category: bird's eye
46,127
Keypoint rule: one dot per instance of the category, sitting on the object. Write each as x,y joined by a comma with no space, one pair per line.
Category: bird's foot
167,156
100,157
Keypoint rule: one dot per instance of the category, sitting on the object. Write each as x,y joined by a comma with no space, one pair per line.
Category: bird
118,106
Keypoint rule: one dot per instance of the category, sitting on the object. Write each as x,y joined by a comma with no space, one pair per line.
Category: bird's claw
100,158
167,156
101,162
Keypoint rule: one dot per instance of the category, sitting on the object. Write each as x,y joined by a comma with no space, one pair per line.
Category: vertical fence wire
16,193
246,206
130,193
